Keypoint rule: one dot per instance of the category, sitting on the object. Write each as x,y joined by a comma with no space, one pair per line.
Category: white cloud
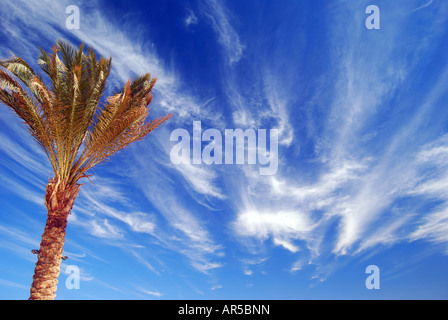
227,36
277,99
248,272
243,119
191,19
424,6
143,261
18,236
94,201
104,229
297,266
434,227
201,178
433,160
13,284
216,286
152,293
254,261
282,226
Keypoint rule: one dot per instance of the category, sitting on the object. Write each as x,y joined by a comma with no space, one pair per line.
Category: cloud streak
225,32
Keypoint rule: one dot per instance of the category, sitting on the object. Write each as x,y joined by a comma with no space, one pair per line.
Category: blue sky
363,152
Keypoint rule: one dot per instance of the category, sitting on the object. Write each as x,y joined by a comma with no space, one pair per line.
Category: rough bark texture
59,199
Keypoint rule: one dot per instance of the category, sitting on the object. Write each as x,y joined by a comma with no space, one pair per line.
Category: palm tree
76,129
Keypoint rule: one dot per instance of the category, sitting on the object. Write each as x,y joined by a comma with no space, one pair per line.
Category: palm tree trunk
59,199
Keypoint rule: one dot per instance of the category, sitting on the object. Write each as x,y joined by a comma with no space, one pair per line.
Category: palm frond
27,109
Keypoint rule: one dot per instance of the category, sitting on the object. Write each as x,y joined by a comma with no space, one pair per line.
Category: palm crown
66,119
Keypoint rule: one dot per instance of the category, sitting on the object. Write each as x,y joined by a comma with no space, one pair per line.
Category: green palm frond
66,117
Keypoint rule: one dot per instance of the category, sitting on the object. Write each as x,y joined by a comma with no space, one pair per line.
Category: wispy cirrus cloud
13,284
151,293
366,157
423,6
226,34
191,19
434,186
188,233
